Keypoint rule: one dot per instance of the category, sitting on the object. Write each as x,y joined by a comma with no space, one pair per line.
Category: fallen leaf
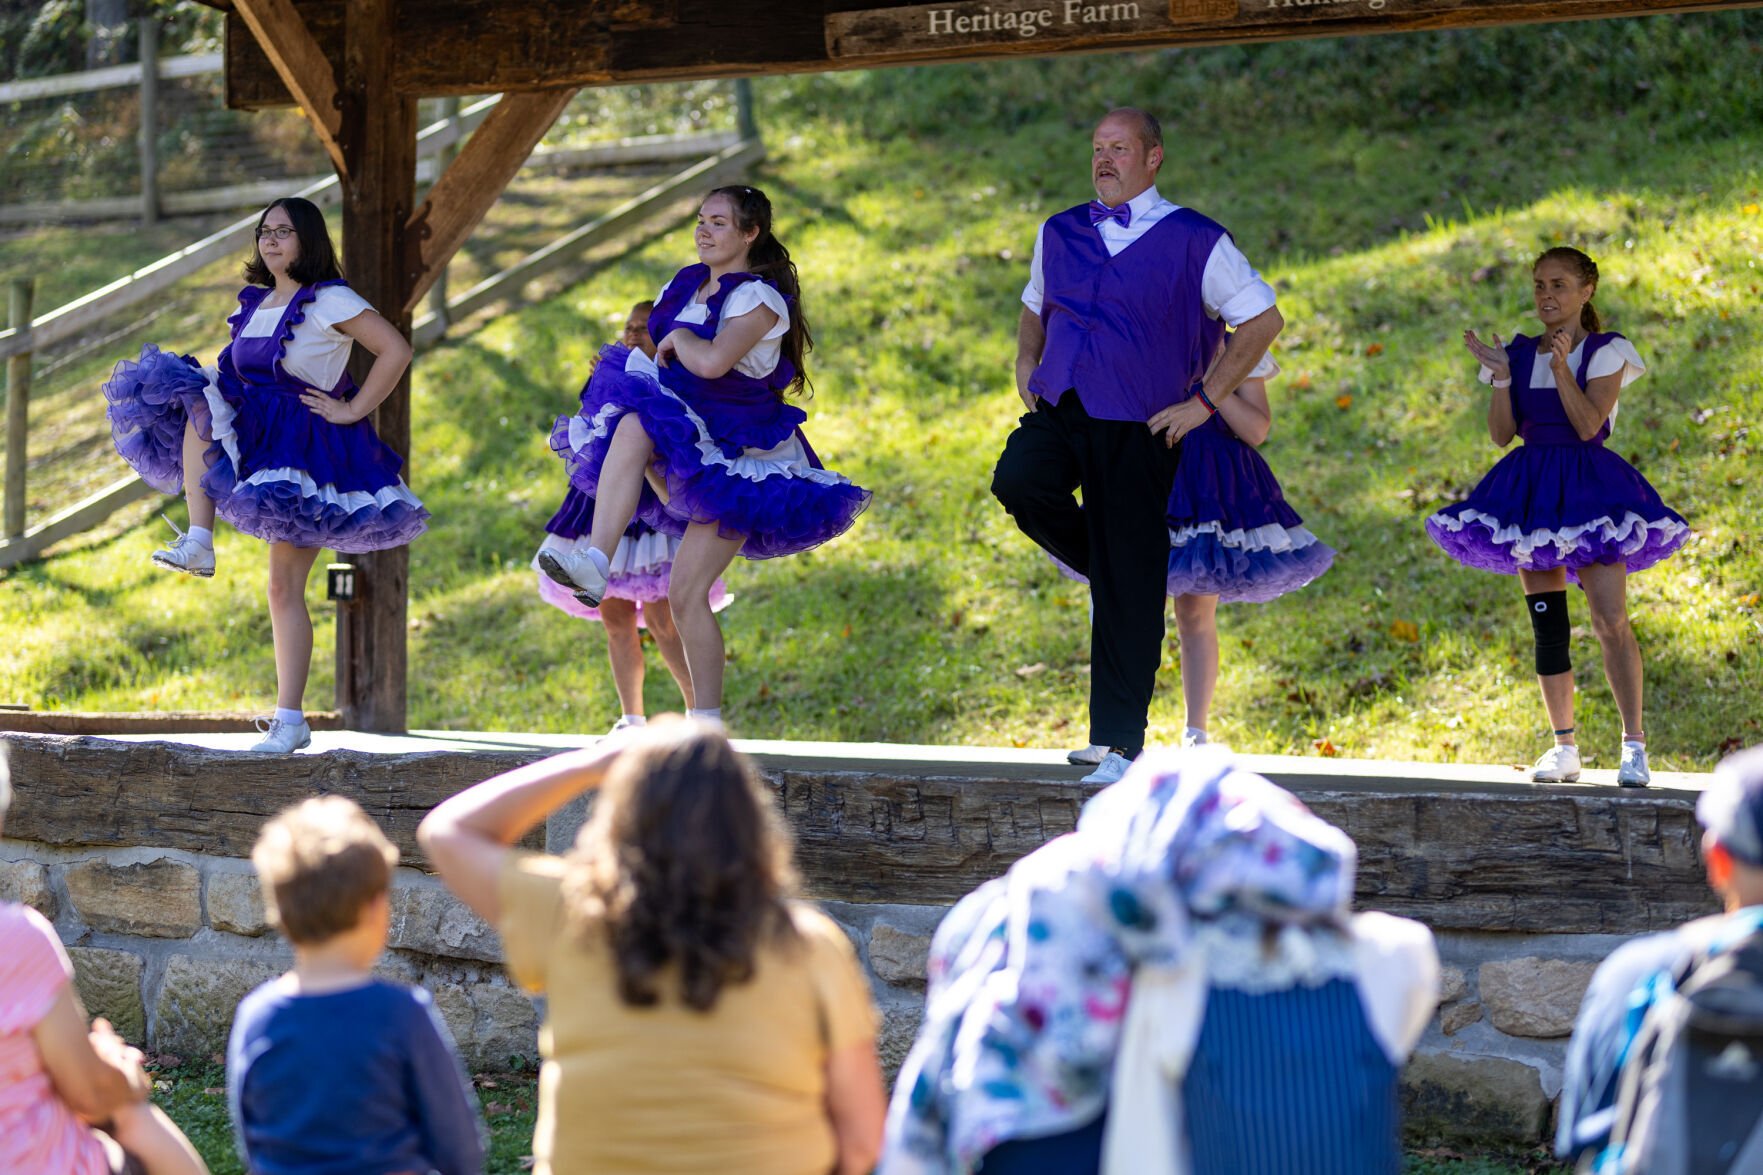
1302,383
1405,630
1374,349
846,632
1325,748
1729,745
1343,402
1030,670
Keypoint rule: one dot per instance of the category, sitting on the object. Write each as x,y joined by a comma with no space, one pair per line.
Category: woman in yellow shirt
697,1019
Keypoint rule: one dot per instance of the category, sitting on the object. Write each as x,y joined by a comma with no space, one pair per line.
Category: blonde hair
321,862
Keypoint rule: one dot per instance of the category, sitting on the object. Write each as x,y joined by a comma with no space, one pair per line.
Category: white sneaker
1559,764
1632,771
1110,769
1193,737
282,738
575,571
626,722
186,555
1086,756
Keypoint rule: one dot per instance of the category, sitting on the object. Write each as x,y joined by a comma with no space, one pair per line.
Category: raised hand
1492,357
1560,347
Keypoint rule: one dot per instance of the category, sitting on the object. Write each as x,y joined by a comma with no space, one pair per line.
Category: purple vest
739,410
1537,409
1130,333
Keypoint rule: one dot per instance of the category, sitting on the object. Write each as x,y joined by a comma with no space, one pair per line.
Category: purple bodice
740,410
1129,332
1537,407
256,360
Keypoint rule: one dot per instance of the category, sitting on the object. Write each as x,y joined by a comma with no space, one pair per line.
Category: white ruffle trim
1630,533
788,459
1239,957
1272,537
222,414
350,500
650,553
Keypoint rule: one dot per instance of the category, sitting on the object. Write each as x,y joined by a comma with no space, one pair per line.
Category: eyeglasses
279,232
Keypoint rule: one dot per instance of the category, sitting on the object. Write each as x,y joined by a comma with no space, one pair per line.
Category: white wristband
1500,383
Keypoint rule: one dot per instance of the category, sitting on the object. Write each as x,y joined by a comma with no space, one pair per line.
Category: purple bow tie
1100,212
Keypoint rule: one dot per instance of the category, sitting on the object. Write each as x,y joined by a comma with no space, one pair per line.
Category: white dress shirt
1230,288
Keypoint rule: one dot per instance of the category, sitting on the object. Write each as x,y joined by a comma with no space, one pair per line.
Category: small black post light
340,582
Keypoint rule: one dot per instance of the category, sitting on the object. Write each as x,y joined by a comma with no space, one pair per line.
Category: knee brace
1548,619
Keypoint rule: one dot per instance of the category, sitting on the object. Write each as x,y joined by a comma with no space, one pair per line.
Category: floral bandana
1030,974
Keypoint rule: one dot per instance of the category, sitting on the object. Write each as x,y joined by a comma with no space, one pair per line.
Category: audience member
696,1018
330,1069
73,1100
1177,986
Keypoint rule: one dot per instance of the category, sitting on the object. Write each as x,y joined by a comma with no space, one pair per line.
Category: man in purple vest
1127,299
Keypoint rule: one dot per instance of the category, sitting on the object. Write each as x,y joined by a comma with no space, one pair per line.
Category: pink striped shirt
39,1135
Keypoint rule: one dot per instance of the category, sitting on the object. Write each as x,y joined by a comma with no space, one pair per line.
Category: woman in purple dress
636,588
703,445
275,437
1562,507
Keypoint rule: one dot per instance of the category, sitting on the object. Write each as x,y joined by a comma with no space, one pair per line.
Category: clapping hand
1560,347
1493,358
329,407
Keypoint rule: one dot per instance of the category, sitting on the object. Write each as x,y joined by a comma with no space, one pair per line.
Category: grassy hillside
1394,190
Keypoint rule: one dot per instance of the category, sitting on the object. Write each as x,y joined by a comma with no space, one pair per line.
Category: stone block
235,904
1532,996
27,883
492,1024
109,983
197,997
1456,1017
1453,984
900,1023
1483,1101
898,956
154,899
429,920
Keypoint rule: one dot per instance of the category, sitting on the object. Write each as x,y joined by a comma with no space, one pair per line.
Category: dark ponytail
768,258
1586,270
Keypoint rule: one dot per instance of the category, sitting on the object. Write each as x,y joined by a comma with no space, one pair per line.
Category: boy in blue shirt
331,1070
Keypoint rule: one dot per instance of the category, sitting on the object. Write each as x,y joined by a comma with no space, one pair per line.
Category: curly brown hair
685,862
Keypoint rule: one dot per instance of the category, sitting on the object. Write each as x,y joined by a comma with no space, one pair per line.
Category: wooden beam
302,67
469,46
379,139
473,182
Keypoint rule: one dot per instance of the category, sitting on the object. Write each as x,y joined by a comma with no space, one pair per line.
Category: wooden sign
1025,24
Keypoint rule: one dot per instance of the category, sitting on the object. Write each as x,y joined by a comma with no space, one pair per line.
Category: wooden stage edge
1461,847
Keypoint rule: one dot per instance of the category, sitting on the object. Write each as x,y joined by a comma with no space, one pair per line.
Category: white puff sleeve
749,296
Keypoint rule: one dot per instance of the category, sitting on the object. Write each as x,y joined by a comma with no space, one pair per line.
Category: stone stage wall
137,852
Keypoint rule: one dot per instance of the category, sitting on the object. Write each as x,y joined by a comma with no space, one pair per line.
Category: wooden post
438,291
18,401
744,120
378,140
149,119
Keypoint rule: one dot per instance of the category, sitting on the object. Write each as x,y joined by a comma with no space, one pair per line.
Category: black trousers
1118,538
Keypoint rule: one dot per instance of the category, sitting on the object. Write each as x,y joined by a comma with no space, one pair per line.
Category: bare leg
1606,591
659,614
1557,687
195,465
145,1132
292,624
1196,620
624,648
702,557
621,483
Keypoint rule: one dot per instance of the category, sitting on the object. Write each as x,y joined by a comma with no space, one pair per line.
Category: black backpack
1691,1095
